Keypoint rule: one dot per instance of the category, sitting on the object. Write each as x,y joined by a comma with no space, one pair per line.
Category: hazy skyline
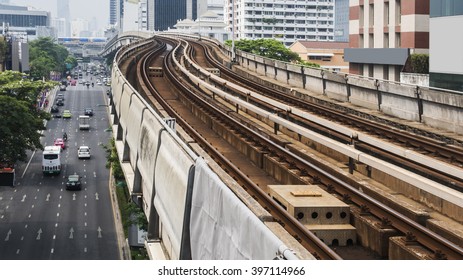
84,9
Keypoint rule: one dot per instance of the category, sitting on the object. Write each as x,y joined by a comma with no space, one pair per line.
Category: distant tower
64,12
116,13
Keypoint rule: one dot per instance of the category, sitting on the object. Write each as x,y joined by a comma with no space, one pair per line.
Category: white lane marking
99,232
22,238
59,205
30,215
24,198
96,196
57,214
85,235
54,236
3,216
85,250
85,224
85,214
56,225
17,251
52,250
48,197
25,226
71,233
8,206
7,238
38,234
74,196
32,205
25,169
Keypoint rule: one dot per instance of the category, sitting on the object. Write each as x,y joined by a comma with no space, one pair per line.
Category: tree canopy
20,119
270,48
46,56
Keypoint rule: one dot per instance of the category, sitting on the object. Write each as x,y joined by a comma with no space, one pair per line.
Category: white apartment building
284,20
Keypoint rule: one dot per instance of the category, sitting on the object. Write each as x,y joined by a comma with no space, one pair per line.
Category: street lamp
233,31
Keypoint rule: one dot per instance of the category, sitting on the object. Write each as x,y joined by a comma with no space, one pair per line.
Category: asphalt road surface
39,218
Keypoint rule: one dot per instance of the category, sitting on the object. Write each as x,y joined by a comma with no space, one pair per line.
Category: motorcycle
65,137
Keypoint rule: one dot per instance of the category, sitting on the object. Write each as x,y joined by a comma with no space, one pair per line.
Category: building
445,45
208,25
329,55
18,19
116,13
63,12
160,15
383,34
167,13
286,21
78,27
341,21
59,24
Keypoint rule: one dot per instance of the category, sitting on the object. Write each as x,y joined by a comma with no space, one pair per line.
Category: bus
51,160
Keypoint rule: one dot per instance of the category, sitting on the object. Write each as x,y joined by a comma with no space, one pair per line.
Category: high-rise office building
166,13
341,20
116,13
445,45
383,34
286,21
63,12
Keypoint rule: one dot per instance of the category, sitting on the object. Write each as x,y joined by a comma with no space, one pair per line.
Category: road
39,218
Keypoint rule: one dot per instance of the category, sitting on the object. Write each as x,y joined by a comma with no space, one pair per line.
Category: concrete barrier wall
165,166
148,149
441,108
133,130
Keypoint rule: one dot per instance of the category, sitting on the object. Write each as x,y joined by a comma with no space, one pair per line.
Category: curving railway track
174,95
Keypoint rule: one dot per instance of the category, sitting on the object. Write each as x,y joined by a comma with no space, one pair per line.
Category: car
54,109
88,111
73,182
83,152
62,88
67,114
60,142
60,96
56,115
60,102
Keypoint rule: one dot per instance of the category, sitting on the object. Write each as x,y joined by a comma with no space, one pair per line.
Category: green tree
46,56
3,51
269,48
420,63
20,120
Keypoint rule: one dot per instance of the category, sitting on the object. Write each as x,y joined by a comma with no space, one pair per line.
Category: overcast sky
85,9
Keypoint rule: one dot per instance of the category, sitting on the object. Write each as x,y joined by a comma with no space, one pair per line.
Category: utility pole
233,31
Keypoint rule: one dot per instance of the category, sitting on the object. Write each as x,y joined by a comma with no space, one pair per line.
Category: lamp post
233,30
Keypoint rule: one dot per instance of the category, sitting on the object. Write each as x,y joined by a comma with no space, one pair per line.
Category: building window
386,13
398,12
371,15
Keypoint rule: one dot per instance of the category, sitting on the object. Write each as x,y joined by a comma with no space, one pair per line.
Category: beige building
330,55
384,33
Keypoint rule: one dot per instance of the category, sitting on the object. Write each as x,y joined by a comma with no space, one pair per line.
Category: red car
60,142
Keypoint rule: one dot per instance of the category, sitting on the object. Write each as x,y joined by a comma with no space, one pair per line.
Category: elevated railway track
179,93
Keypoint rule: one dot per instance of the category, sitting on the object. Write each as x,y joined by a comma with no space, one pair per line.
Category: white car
83,152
